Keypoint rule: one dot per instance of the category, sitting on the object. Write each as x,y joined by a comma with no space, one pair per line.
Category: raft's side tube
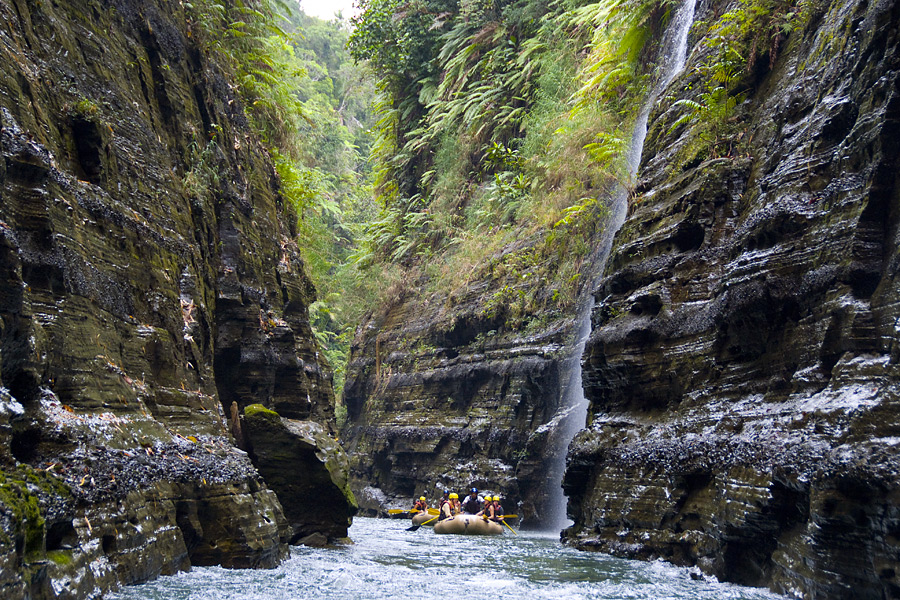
468,525
420,518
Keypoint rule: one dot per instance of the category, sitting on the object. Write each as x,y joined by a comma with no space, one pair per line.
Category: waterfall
572,417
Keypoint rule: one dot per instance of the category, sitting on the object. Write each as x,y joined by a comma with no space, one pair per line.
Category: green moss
348,494
60,557
19,491
14,495
87,109
258,410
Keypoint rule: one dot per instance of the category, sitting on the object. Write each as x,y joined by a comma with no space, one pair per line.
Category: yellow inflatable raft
468,525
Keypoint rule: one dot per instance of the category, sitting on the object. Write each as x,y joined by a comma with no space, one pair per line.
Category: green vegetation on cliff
738,47
501,124
500,127
311,104
21,494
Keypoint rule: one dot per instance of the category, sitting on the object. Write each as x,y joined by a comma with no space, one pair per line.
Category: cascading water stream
572,417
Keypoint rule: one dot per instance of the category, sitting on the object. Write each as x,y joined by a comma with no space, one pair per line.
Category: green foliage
398,37
734,43
250,38
620,31
203,176
340,416
717,100
312,106
495,119
330,185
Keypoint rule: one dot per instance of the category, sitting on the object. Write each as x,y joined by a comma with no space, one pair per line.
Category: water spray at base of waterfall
573,414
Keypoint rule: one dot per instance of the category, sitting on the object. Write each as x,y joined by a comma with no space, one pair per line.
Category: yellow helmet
422,498
496,498
454,495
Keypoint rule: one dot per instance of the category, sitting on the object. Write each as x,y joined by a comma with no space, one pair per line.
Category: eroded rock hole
61,536
88,147
689,237
649,304
24,444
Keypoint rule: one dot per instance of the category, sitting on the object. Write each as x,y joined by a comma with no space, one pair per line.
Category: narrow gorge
632,266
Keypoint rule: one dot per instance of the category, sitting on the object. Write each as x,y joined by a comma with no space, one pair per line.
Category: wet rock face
308,471
149,278
743,365
438,399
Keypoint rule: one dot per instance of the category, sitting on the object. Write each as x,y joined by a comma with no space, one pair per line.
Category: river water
386,561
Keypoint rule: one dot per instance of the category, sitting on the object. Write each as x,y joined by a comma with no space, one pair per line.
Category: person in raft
446,508
488,502
472,503
498,510
421,504
454,500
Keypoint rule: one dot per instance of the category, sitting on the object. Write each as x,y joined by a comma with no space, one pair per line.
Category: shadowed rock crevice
88,150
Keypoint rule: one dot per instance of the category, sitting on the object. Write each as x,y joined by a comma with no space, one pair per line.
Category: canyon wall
743,365
151,289
440,397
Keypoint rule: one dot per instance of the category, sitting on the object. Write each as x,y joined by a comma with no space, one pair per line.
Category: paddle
414,527
507,524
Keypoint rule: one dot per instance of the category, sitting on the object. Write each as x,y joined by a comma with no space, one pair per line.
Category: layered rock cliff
743,365
150,281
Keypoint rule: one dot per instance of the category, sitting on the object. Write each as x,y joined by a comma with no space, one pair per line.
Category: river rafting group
476,516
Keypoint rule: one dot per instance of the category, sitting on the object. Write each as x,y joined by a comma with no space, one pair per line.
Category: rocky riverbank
150,282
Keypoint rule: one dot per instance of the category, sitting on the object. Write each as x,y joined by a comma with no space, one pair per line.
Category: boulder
306,468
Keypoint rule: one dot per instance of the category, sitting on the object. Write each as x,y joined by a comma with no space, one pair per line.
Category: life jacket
449,511
420,505
471,505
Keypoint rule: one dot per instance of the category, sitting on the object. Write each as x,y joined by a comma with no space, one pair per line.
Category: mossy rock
23,491
259,411
306,468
